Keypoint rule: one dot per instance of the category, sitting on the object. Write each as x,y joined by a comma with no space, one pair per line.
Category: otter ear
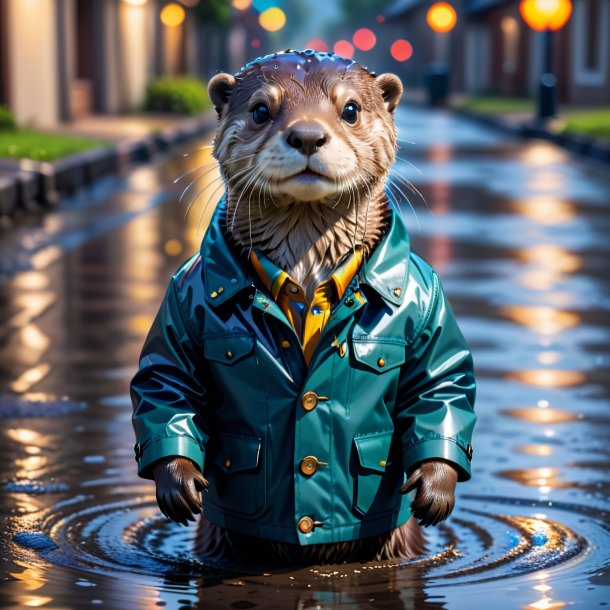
220,88
391,89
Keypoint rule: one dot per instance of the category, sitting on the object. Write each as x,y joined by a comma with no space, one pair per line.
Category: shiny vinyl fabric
296,453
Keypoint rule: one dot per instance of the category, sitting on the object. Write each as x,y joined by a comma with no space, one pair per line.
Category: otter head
305,126
302,129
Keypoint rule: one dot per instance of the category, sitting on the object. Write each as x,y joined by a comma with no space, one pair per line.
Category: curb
593,148
26,185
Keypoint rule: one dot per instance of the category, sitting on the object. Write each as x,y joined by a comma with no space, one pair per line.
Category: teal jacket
295,453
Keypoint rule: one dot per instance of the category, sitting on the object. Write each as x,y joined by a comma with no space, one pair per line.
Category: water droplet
539,539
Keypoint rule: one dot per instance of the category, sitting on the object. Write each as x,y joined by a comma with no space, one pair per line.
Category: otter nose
307,138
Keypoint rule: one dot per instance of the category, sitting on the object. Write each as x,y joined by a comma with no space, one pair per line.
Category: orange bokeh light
364,39
344,48
273,19
317,44
380,18
543,15
401,50
441,17
172,15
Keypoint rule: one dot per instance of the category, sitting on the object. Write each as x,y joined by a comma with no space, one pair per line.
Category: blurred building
504,55
492,50
64,59
407,19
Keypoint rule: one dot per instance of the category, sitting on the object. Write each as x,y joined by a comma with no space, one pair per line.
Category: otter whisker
413,189
249,181
215,162
391,182
205,207
192,203
186,190
199,193
409,163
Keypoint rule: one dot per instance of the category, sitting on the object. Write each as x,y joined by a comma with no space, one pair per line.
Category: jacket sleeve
167,395
436,392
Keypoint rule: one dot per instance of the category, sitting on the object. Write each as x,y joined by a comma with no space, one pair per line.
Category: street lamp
546,16
441,18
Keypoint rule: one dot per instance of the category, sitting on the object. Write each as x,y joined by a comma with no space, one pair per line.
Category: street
518,232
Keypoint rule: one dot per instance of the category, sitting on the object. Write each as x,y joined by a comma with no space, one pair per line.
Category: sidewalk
25,185
525,124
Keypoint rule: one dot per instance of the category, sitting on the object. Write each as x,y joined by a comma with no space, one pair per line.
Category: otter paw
179,485
435,482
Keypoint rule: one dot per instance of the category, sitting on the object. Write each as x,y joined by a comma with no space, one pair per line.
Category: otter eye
350,112
260,113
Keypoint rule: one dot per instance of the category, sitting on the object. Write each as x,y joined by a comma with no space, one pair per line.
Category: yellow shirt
307,319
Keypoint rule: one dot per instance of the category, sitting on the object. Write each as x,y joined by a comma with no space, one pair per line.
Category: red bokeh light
344,48
317,44
401,49
380,18
256,43
364,39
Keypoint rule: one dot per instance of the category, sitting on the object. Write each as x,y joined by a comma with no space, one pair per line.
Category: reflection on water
547,378
544,415
544,478
542,320
545,210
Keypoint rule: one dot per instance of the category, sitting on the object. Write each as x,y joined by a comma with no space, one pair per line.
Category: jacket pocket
239,482
228,348
372,451
378,354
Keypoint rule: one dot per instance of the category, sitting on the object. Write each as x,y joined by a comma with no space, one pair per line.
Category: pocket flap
374,449
237,453
227,348
377,354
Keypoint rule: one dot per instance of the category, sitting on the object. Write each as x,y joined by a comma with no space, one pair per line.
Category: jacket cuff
440,448
179,446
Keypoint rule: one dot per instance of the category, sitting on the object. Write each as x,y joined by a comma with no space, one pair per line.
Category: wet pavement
519,234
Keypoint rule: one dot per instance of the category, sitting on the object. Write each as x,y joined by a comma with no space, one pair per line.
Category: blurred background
106,186
62,60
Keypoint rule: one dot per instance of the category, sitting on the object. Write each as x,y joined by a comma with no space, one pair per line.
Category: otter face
305,126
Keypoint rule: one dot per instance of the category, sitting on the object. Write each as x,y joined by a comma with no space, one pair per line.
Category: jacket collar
225,272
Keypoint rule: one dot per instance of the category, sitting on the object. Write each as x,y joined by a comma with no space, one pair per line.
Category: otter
305,142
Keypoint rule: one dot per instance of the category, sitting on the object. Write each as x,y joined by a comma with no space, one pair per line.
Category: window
590,47
510,42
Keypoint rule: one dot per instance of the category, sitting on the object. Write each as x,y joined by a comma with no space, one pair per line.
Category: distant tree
362,12
213,12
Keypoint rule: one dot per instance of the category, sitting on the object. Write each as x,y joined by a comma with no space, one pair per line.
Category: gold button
220,290
309,401
305,525
228,464
309,465
382,463
381,362
214,294
229,355
397,291
285,344
343,349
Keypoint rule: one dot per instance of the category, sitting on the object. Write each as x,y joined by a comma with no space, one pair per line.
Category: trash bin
436,77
